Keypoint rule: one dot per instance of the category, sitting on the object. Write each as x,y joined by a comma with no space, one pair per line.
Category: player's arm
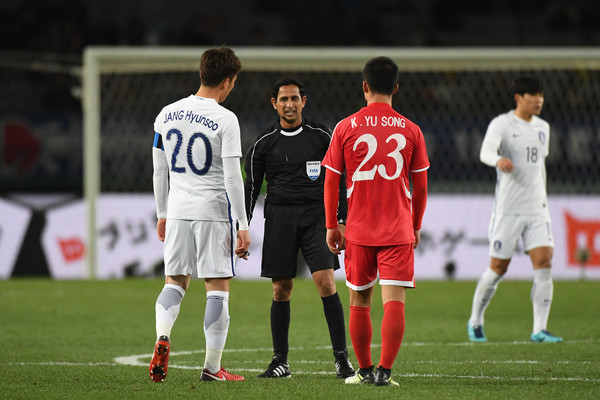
419,202
160,184
255,172
490,147
234,186
342,211
335,240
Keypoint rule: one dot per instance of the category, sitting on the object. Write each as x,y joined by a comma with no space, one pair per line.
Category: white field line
135,359
143,359
299,372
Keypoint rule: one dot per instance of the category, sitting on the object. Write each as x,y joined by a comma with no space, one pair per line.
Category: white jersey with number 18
526,144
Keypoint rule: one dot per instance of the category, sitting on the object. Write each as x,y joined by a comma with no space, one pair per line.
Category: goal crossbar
99,60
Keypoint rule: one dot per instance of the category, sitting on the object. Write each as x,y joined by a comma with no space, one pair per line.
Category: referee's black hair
285,82
527,84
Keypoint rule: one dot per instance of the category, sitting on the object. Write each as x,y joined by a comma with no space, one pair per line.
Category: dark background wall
41,43
68,25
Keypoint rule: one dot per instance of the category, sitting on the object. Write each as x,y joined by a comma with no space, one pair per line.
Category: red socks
392,331
361,333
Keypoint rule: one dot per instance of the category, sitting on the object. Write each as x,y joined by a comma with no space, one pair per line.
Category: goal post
450,92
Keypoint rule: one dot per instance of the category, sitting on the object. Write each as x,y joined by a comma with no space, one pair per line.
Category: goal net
452,94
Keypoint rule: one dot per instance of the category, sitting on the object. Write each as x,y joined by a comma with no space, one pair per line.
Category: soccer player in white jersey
199,194
516,144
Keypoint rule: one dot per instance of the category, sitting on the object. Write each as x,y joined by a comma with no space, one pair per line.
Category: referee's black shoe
343,367
276,369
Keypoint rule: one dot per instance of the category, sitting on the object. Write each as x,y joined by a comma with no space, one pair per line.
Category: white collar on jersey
294,133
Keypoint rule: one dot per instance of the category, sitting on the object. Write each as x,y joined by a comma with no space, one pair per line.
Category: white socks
541,297
216,327
167,308
216,320
486,287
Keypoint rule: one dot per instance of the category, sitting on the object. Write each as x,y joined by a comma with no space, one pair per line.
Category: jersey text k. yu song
378,148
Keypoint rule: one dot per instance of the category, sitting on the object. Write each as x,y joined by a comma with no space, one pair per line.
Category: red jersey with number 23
378,148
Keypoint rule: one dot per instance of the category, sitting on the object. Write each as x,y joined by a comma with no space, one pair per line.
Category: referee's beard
292,122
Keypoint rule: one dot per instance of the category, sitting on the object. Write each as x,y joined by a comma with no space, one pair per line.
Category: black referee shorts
292,227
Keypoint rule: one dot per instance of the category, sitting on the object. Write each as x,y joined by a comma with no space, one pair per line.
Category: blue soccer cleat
544,336
476,333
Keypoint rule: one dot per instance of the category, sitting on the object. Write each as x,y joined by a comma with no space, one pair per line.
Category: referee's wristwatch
341,222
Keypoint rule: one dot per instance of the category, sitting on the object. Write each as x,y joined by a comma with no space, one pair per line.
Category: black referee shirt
290,161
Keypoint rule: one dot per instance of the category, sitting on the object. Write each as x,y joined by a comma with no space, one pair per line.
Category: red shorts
395,264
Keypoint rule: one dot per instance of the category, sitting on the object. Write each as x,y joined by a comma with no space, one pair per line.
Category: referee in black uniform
288,155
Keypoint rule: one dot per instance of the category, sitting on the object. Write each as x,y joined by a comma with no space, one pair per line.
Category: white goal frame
99,60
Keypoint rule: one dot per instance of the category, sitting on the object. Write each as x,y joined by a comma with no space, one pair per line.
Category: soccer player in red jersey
377,147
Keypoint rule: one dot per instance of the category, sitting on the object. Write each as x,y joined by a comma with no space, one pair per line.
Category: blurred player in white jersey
516,144
199,195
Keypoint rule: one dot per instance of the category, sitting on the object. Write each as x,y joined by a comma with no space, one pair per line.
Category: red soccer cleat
222,375
160,359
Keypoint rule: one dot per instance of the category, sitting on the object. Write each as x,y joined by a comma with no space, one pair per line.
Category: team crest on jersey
542,137
313,169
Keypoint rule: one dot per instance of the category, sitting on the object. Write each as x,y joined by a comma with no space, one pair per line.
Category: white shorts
505,230
208,246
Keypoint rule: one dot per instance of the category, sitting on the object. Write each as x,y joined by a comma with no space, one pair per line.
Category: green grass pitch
93,340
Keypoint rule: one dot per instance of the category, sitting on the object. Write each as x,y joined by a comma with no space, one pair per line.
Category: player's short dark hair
218,64
527,84
285,82
381,73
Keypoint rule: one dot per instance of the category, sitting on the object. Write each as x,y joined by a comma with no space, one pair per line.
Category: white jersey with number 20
197,133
